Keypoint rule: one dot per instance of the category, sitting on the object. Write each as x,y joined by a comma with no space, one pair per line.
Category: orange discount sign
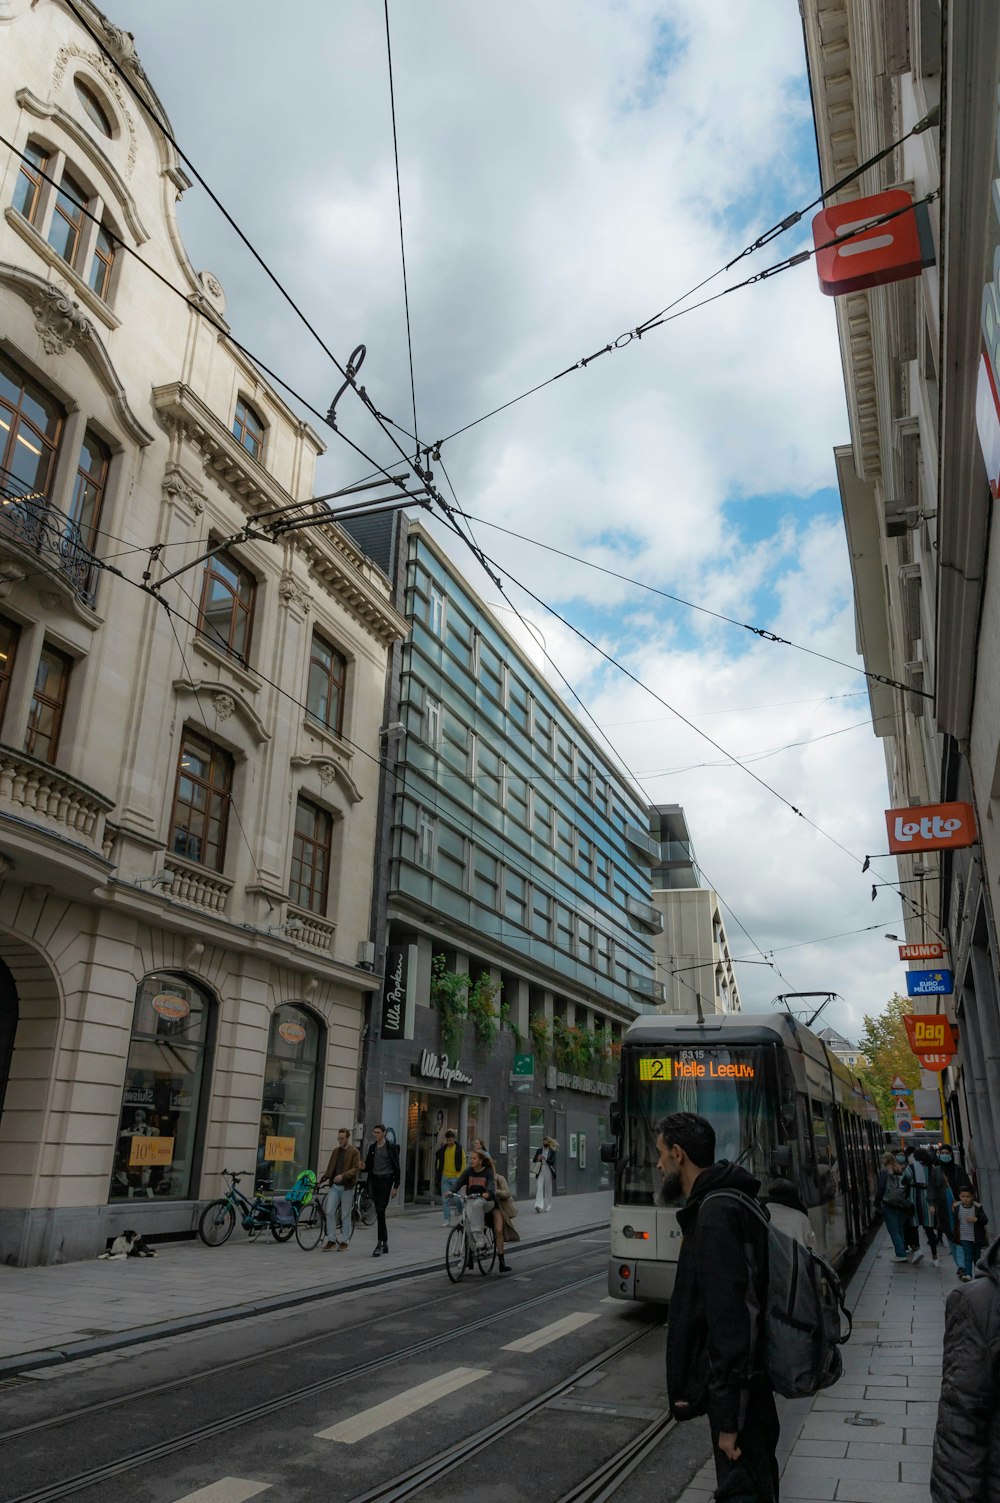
929,1033
935,1061
146,1151
930,827
279,1150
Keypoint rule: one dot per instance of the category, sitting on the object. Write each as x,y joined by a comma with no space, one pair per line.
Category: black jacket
966,1467
393,1159
714,1333
546,1156
439,1163
955,1230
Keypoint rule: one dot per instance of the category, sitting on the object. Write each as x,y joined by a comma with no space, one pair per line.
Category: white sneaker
902,1258
936,1262
915,1257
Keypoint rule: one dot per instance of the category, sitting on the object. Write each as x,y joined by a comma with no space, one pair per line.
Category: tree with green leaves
884,1043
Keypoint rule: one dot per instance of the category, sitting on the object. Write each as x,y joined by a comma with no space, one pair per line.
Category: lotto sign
921,952
147,1151
870,257
279,1150
929,1032
930,983
930,827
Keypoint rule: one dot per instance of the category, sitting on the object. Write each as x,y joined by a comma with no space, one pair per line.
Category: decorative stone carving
121,45
49,599
224,704
195,950
327,773
62,325
179,486
111,82
294,593
213,287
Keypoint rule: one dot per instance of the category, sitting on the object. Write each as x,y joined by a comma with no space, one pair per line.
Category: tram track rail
92,1477
236,1364
425,1474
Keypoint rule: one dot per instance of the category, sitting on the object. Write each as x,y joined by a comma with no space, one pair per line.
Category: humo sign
931,827
921,952
888,252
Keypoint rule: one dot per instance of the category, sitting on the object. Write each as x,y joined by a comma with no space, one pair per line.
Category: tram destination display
673,1068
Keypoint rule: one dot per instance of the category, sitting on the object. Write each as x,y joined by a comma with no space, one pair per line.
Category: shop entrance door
427,1119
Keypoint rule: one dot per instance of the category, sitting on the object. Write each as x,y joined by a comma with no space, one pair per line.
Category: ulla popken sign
930,827
399,991
439,1067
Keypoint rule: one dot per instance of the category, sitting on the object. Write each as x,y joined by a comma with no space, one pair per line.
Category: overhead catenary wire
399,206
761,632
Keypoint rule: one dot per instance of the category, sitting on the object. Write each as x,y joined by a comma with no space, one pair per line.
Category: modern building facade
188,797
693,960
919,475
517,919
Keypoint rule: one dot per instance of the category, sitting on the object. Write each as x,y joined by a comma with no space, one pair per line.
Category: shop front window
290,1107
157,1144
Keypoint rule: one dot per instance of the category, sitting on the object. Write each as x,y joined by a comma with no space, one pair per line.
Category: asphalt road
517,1387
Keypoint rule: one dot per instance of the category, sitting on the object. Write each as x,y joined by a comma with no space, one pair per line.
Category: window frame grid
242,430
332,682
57,705
35,175
7,663
206,628
224,794
316,892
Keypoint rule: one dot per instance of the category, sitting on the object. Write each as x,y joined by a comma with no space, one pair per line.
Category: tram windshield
735,1088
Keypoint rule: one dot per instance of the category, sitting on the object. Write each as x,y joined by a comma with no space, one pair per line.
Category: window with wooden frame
28,187
102,263
225,616
9,633
248,427
30,428
202,796
88,491
66,228
312,841
327,684
93,107
48,701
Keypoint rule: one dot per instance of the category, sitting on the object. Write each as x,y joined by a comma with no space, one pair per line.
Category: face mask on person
901,1158
944,1158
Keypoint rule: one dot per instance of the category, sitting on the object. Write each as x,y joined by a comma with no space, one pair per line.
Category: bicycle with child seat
311,1223
471,1240
257,1216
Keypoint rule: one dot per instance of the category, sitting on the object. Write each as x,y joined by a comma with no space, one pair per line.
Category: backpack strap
747,1201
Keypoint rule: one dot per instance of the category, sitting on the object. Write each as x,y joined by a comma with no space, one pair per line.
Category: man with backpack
716,1336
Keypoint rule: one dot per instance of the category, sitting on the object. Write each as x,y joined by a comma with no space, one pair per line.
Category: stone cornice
333,560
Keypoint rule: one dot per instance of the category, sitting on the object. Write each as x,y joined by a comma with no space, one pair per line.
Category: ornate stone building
187,795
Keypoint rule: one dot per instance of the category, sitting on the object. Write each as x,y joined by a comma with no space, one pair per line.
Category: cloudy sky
568,168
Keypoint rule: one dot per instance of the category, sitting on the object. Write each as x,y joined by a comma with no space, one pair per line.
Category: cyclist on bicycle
478,1178
341,1175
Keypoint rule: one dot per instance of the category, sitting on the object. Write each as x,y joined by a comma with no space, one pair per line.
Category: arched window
157,1147
227,600
28,188
93,107
292,1100
30,426
249,429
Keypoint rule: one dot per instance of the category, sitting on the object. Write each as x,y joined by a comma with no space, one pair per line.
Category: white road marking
360,1426
542,1337
226,1490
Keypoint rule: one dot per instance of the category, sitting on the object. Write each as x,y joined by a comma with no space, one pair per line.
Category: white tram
782,1106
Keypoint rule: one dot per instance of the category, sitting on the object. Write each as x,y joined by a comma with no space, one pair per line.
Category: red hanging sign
930,1033
888,252
921,952
936,1062
930,827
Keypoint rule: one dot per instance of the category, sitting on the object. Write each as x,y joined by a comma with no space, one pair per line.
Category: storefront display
157,1129
290,1105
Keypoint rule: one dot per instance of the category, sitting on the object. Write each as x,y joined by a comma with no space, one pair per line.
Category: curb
138,1335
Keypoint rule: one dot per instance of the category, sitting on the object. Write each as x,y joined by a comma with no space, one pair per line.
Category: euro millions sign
930,983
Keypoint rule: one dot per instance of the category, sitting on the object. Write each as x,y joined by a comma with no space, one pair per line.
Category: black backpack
804,1314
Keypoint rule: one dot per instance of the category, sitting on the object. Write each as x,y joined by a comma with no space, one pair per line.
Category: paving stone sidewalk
71,1310
869,1439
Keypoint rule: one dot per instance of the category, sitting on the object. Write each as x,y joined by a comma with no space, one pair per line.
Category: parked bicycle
471,1239
278,1215
311,1223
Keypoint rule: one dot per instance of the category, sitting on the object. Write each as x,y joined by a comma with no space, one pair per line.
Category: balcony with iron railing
32,528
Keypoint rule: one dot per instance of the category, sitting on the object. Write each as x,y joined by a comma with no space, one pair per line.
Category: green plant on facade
481,1008
541,1041
507,1021
450,995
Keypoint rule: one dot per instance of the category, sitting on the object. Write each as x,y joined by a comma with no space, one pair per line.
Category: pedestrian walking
479,1178
545,1174
382,1164
966,1464
341,1175
955,1176
788,1212
896,1206
715,1335
449,1161
928,1190
968,1232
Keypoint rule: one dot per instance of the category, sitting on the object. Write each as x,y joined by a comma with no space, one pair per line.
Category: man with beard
715,1334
